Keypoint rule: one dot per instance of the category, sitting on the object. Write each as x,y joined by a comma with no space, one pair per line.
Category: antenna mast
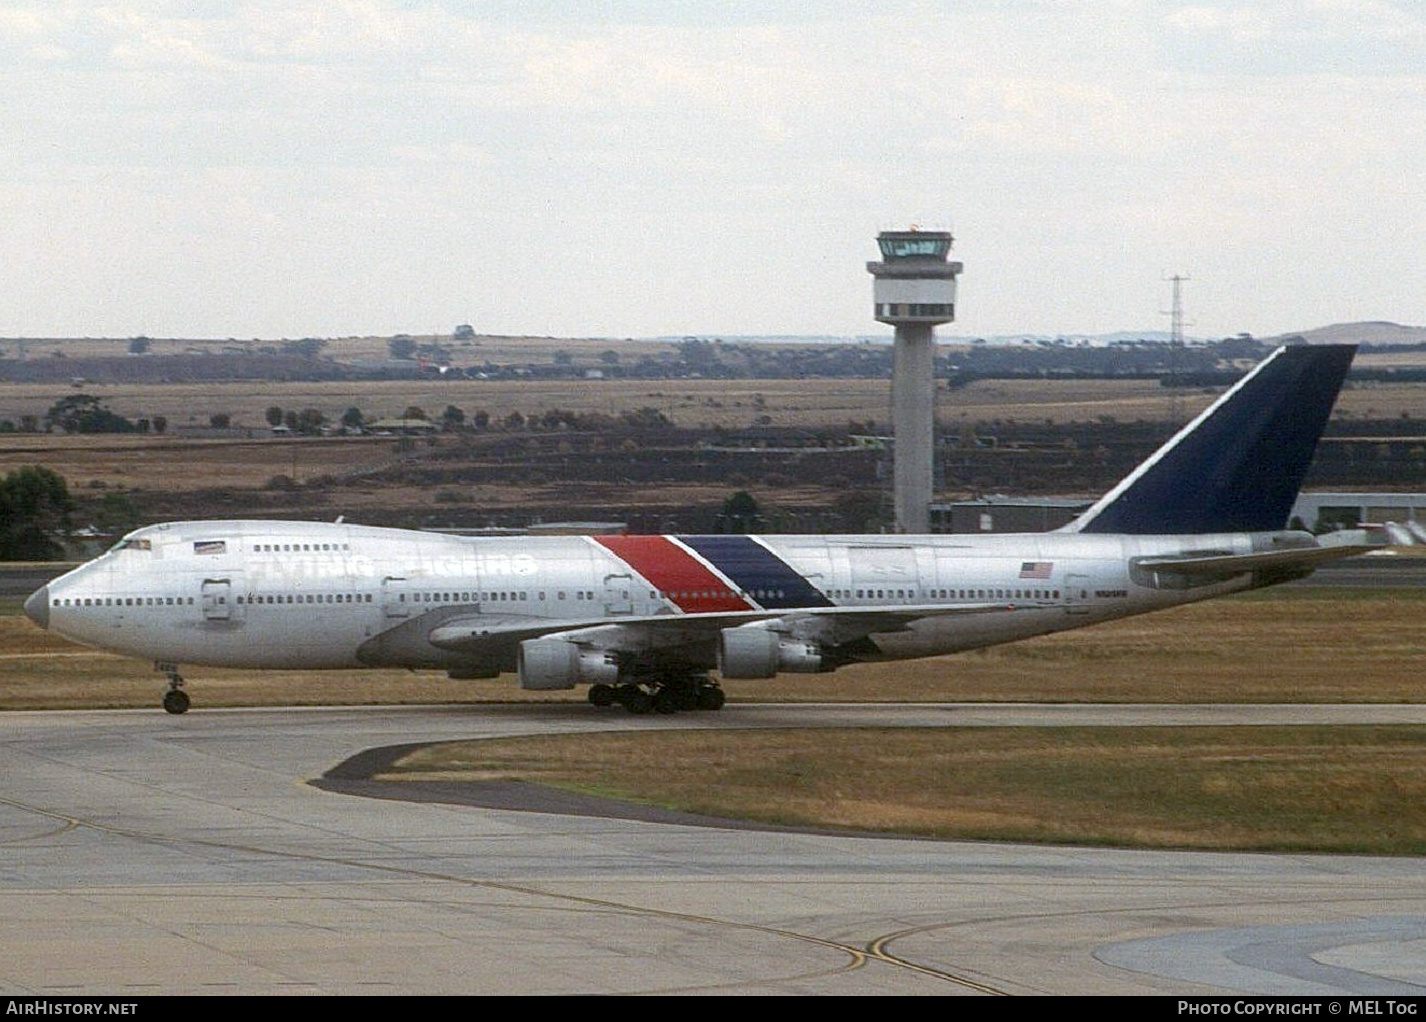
1176,313
1176,347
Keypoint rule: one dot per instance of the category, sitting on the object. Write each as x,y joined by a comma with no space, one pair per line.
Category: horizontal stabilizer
1213,565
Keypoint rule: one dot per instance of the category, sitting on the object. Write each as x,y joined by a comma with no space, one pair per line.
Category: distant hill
1368,333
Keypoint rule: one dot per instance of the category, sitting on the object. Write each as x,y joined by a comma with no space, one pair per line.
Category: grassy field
734,404
180,463
1287,645
1335,789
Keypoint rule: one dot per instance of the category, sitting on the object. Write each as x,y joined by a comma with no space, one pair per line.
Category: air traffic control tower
914,289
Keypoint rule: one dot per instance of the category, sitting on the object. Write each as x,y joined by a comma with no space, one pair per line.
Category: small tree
34,512
740,513
308,347
85,413
116,514
310,421
274,416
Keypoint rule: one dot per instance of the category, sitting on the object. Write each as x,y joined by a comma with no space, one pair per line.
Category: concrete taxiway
147,854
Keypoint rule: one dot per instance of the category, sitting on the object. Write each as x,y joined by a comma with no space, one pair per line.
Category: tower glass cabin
915,282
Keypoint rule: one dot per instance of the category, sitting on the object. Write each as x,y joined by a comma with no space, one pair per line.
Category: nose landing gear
175,700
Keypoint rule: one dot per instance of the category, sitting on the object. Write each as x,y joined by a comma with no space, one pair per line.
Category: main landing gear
663,695
175,700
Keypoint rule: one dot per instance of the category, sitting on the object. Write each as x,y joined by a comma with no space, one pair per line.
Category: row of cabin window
310,598
683,594
949,594
887,594
291,548
878,594
124,601
863,594
493,597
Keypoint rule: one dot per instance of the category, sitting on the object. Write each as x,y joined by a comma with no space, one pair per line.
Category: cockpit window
132,544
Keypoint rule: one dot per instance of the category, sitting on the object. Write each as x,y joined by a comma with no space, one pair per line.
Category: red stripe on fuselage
676,573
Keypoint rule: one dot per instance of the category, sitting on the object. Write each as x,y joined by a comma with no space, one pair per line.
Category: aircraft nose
37,607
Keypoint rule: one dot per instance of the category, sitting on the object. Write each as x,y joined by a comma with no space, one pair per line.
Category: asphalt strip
354,776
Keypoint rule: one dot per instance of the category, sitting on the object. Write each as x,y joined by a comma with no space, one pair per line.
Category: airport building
1316,512
998,513
1350,510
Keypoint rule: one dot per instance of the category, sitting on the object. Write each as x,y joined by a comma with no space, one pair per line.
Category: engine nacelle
552,663
762,653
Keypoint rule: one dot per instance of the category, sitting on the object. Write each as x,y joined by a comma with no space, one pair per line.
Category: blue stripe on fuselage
756,570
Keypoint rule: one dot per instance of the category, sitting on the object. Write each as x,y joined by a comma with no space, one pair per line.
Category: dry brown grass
1343,789
809,404
181,464
1291,645
1287,645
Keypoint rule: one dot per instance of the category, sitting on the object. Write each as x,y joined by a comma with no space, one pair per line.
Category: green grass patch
1357,789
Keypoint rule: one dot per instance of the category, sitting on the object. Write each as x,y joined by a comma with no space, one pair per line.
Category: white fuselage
312,595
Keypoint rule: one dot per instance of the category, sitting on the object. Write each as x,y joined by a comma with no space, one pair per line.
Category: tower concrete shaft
913,423
914,289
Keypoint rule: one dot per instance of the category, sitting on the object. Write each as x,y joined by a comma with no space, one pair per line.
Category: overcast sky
633,168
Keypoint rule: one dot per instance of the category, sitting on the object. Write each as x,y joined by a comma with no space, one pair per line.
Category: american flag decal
1036,569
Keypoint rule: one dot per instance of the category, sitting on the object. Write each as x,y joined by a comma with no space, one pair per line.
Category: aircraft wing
831,625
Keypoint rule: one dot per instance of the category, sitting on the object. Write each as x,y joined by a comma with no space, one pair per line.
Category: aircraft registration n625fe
645,620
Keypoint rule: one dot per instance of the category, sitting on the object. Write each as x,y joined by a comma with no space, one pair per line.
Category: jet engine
762,653
551,663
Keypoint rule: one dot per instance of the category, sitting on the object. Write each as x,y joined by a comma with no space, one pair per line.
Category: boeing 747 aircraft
645,620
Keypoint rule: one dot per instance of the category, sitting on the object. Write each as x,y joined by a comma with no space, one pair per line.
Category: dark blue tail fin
1239,465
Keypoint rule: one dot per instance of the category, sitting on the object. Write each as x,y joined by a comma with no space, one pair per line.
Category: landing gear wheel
711,697
685,695
668,699
175,700
635,699
602,695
